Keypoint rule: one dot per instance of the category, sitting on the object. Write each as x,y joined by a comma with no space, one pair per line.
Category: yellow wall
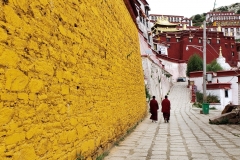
70,77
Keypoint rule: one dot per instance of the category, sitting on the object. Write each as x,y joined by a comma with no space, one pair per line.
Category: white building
143,21
224,85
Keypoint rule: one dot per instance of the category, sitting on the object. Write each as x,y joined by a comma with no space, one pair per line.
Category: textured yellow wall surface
71,79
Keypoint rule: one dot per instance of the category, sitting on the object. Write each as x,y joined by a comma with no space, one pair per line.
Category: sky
186,8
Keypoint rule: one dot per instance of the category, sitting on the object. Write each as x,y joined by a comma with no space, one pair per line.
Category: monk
154,110
166,106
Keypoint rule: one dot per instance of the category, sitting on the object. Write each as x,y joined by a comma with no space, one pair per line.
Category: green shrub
148,96
198,105
195,63
199,97
210,98
214,66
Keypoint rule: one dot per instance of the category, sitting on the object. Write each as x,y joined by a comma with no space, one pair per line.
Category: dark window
168,39
141,18
226,93
148,38
155,46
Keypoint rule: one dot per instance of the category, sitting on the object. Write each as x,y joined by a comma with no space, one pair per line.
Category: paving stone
204,156
234,151
116,158
228,146
221,158
179,158
199,158
160,148
141,150
135,158
220,154
177,149
178,153
158,157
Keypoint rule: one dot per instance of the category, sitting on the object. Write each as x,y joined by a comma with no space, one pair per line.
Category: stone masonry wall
71,79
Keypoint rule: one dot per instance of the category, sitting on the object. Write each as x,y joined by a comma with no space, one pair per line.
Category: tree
202,19
197,24
197,17
238,12
194,21
195,63
214,66
223,8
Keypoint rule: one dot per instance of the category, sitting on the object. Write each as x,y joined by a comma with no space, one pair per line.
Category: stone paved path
188,136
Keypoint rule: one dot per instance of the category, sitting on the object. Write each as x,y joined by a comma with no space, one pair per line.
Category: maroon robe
166,106
153,110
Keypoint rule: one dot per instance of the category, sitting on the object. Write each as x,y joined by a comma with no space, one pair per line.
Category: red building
177,43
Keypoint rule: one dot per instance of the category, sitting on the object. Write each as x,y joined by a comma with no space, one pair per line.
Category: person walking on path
154,109
166,106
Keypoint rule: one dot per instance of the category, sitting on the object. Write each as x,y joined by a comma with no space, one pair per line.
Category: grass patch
79,157
102,156
212,108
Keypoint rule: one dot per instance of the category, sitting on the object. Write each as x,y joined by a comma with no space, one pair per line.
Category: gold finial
220,51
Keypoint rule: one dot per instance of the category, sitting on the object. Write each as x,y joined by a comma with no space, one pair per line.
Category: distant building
228,22
163,25
179,20
214,16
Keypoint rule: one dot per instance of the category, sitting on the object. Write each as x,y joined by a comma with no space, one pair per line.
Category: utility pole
204,62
